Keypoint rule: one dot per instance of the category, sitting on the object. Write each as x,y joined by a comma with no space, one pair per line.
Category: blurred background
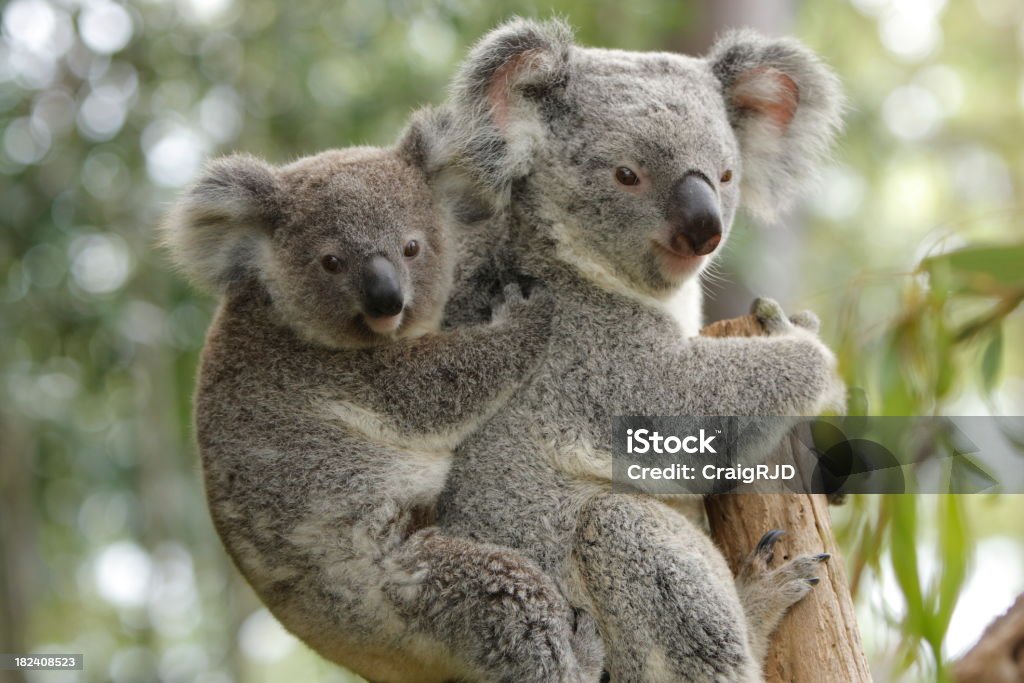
911,249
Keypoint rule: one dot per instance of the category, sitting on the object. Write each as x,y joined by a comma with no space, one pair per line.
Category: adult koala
617,176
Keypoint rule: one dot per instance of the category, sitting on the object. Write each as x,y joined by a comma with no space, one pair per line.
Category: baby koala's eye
412,248
331,263
626,176
727,176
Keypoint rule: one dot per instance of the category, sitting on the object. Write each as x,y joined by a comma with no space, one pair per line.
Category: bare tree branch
998,656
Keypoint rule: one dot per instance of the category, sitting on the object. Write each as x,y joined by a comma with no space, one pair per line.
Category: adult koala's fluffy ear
215,230
495,95
785,106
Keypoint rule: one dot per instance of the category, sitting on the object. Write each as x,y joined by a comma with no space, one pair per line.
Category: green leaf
992,361
903,551
856,401
978,268
1001,262
897,394
954,554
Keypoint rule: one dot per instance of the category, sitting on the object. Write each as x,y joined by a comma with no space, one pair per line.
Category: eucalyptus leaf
992,360
978,269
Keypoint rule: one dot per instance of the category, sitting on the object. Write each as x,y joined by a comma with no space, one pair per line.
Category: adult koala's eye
412,248
626,176
331,263
727,176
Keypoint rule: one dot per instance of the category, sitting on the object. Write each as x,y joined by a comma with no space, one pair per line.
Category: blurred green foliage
911,250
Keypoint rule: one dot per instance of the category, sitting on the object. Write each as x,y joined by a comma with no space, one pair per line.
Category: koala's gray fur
305,417
543,124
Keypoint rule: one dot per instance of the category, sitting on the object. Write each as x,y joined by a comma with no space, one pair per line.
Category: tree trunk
818,640
998,657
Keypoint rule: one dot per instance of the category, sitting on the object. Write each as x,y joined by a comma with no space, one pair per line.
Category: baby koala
328,406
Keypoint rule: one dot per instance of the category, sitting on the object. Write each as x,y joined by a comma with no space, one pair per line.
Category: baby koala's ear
494,97
785,106
423,141
215,230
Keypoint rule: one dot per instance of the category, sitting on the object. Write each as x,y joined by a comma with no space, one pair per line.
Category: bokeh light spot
122,574
264,640
105,27
100,263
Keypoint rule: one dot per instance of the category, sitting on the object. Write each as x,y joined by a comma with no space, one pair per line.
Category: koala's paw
770,314
511,296
775,321
508,305
767,591
777,588
533,312
806,320
822,390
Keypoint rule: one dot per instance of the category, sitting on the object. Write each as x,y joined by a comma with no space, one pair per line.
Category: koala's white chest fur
686,306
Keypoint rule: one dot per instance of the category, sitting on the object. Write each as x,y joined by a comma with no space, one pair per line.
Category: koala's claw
786,585
795,578
766,545
823,557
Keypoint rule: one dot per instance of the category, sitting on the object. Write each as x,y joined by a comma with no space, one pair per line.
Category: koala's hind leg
766,592
662,595
495,610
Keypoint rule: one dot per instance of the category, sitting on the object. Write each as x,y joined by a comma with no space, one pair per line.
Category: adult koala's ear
215,231
785,106
495,95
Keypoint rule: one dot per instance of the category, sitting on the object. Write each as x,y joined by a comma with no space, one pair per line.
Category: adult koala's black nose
382,292
694,216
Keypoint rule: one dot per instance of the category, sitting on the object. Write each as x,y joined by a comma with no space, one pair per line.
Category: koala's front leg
789,371
452,381
495,610
662,595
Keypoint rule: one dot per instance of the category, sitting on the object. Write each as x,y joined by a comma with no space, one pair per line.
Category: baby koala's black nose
694,216
382,292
